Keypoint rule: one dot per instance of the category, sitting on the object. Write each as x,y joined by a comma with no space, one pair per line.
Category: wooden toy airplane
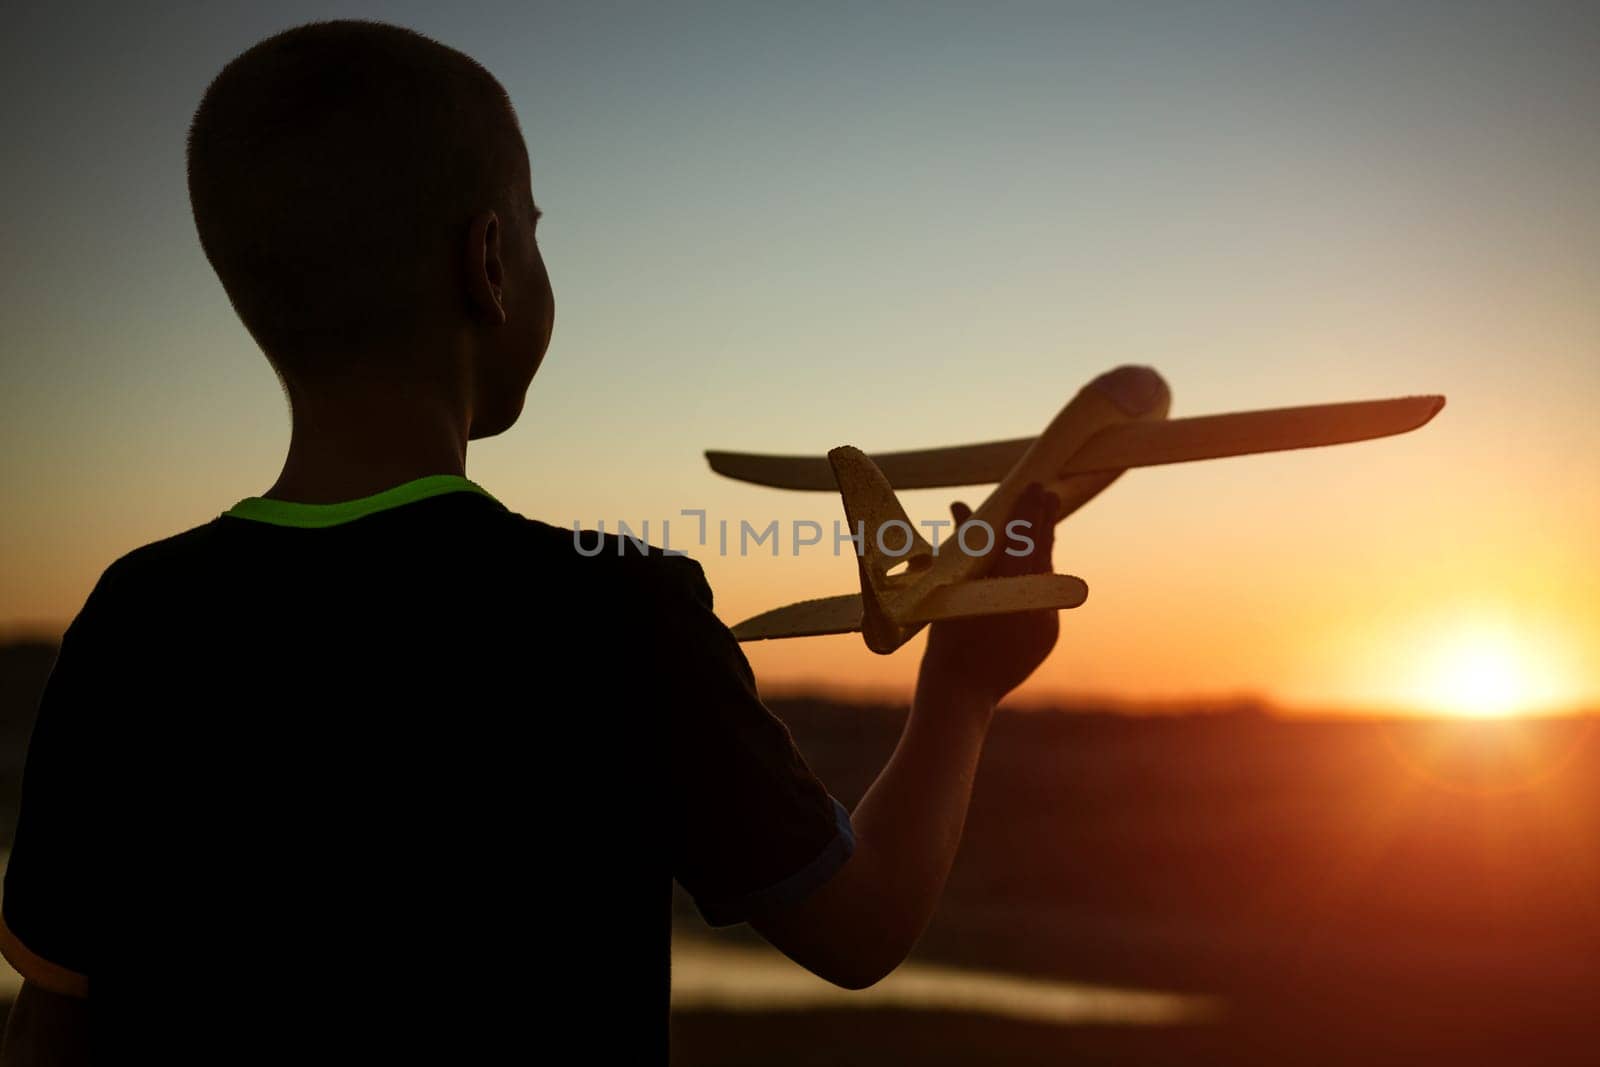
1083,450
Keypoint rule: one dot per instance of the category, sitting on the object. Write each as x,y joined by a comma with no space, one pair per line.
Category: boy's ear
485,272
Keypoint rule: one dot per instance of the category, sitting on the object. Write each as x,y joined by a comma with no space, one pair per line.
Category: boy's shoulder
157,559
625,558
600,560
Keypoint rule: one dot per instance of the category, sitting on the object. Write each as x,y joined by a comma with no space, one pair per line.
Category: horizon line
1059,700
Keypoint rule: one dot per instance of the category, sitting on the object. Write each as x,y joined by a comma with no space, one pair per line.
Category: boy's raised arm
861,923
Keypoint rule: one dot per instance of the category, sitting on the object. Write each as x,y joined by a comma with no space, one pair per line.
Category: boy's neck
346,450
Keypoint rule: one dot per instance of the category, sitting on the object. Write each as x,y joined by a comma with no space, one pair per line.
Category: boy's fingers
1049,508
1029,510
1037,508
1041,530
1044,534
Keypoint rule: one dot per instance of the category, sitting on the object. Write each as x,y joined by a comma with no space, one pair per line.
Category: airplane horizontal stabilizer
807,618
999,596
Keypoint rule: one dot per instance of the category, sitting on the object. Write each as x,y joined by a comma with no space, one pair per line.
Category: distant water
714,977
721,978
10,980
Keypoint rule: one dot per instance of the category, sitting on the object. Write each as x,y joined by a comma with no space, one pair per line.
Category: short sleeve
48,877
756,830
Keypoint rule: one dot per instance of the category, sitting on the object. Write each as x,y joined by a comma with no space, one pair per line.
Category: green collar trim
316,516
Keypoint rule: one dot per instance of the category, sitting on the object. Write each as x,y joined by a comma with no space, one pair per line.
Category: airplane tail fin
887,541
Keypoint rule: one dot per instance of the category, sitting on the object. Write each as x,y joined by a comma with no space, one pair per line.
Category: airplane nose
1135,389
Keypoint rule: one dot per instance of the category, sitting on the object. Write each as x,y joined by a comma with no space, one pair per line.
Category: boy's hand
988,656
864,920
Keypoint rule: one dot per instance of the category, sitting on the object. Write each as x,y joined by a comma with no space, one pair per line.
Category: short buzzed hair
333,170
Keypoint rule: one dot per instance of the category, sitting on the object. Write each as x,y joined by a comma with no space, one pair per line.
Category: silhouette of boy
383,771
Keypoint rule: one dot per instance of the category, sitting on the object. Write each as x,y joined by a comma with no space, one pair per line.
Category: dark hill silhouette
24,667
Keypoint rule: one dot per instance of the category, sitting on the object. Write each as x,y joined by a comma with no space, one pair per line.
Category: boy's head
364,195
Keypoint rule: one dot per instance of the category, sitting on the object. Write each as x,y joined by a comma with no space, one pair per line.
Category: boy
384,770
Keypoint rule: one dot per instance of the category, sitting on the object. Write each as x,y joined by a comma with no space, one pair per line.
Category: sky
788,227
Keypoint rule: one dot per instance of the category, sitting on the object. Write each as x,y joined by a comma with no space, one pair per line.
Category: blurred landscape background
1218,884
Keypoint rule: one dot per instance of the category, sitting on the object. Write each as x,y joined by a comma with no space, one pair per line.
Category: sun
1481,682
1481,670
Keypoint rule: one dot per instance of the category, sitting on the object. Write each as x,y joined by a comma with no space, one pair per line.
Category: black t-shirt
404,779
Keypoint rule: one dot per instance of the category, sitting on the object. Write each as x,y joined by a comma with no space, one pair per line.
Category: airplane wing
925,469
1133,444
